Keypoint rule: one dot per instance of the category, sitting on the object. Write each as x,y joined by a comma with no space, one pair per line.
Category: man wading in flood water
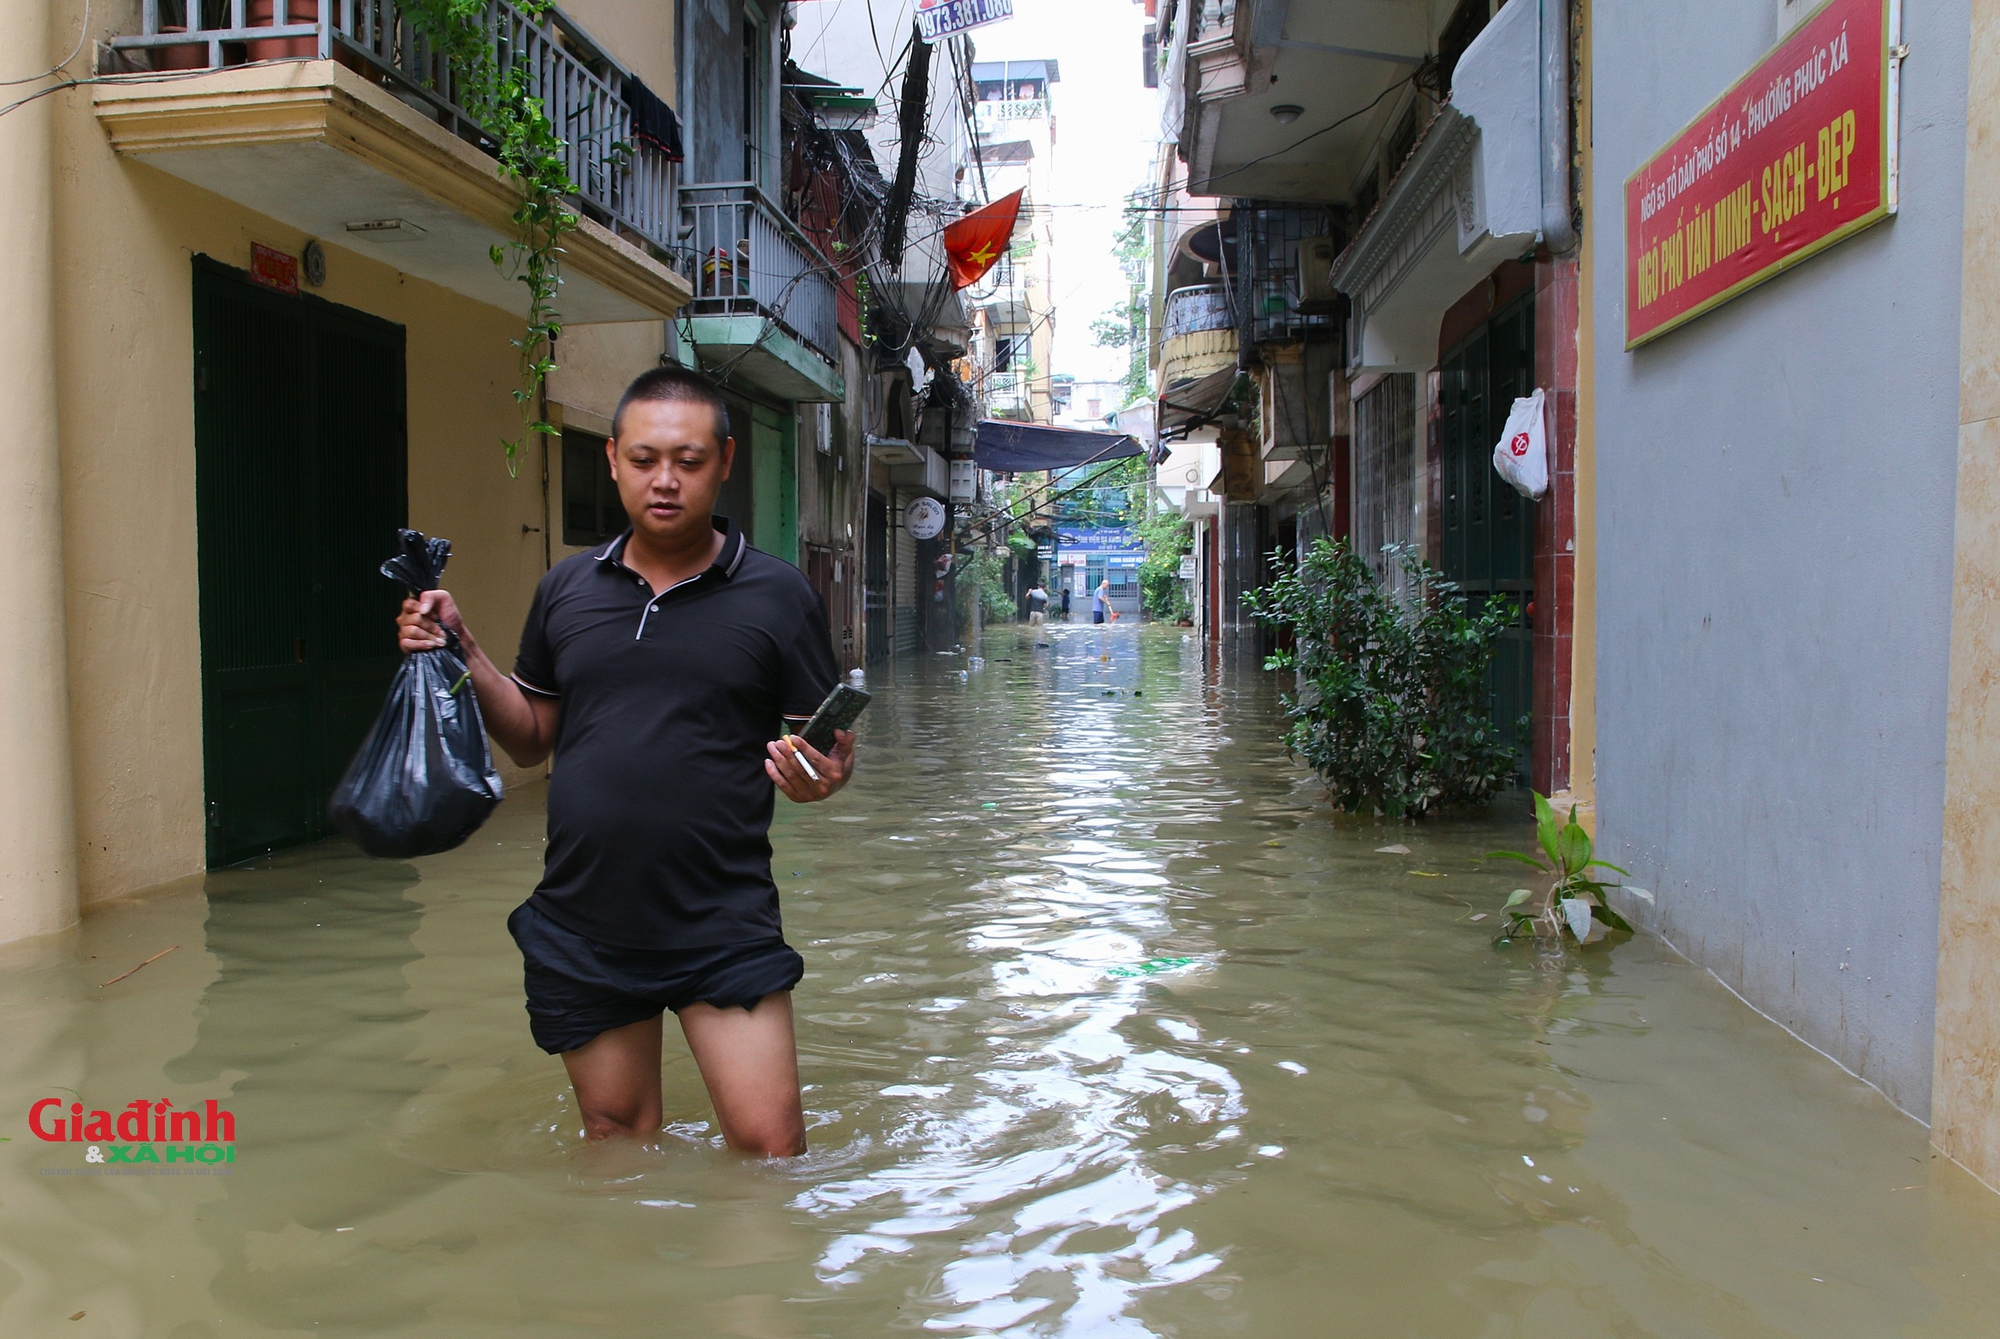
657,667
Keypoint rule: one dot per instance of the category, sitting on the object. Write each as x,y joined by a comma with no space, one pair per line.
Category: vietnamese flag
973,243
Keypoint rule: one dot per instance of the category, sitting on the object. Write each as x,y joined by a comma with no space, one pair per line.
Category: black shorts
578,987
1097,615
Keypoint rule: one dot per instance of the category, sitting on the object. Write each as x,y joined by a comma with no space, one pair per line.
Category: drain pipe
1558,220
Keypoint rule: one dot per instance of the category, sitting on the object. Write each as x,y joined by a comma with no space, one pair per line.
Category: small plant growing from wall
1392,708
499,95
1574,903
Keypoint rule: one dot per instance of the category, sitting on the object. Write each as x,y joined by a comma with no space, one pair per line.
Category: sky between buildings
1106,124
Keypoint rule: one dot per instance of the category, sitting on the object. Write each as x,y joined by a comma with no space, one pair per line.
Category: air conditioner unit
1316,290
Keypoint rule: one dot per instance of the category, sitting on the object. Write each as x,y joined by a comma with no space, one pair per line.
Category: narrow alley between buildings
1107,1030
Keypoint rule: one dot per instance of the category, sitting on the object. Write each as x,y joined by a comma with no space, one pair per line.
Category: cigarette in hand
801,757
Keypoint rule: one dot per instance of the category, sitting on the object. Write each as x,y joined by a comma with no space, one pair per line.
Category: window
591,513
1366,192
1385,470
756,89
1466,23
1400,143
1003,354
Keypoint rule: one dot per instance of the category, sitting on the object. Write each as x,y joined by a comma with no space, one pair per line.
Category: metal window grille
1283,292
1385,473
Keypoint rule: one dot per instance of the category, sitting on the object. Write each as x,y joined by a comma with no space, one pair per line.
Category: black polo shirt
659,808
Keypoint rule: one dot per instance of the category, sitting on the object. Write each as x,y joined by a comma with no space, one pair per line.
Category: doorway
875,580
1488,530
300,487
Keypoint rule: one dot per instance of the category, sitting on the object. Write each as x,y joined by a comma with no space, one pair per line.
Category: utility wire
82,31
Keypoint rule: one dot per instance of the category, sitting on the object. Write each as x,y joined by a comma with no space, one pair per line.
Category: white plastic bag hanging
1522,453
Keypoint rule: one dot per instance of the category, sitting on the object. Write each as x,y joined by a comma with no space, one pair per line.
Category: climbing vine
498,93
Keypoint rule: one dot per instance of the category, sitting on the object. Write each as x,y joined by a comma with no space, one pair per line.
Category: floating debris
1151,967
1397,849
149,962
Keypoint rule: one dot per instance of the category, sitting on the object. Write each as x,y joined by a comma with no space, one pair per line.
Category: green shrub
1167,537
979,578
1392,703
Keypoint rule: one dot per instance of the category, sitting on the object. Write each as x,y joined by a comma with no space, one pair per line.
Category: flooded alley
1108,1028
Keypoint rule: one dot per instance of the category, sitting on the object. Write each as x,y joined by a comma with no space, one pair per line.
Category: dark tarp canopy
1010,448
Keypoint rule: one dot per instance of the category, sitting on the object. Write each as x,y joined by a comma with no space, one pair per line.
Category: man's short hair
675,383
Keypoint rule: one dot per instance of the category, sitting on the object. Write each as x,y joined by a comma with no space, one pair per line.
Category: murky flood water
1108,1027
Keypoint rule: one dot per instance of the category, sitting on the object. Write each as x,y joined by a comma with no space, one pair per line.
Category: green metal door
775,480
1488,529
299,489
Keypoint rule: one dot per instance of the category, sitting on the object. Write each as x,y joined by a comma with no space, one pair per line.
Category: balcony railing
1006,392
1201,307
626,184
744,257
993,112
1211,19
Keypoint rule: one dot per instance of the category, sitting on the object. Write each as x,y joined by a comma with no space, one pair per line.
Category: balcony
995,116
337,118
764,297
1241,70
1469,196
1198,338
1002,293
1007,396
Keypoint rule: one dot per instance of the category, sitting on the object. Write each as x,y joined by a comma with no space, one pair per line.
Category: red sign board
274,269
1799,154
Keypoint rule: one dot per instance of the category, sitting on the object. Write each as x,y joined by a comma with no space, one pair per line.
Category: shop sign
924,518
1099,539
1187,567
1796,156
274,268
942,18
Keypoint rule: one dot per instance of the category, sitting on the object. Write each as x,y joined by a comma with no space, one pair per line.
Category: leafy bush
979,578
1167,537
1392,707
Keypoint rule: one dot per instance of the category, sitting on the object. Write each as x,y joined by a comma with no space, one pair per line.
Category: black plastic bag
423,781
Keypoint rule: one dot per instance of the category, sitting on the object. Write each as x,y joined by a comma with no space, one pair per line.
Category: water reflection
307,1027
1109,1029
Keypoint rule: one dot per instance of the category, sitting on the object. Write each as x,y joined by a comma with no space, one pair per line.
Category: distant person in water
1100,601
658,668
1065,604
1038,604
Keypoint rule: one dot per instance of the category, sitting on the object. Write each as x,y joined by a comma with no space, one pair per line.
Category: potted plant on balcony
264,14
182,55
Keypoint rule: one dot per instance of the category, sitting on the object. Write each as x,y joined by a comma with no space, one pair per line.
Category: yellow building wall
1965,1092
638,36
594,364
125,236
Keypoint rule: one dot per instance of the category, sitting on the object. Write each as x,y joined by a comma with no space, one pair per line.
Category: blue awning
1012,447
